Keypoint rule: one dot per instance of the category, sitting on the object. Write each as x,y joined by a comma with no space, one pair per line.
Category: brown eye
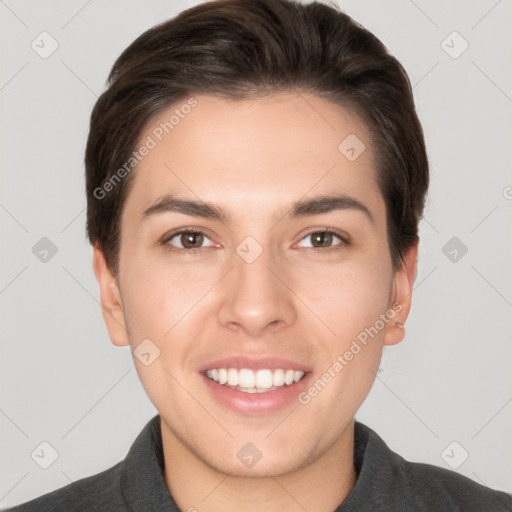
187,241
322,238
191,240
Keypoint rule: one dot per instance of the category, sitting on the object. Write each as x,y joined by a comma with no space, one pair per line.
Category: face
235,264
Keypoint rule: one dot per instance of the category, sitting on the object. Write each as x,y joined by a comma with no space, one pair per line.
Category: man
256,172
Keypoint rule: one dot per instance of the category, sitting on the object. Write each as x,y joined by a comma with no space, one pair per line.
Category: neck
320,486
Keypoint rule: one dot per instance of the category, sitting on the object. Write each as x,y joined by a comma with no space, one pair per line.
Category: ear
402,297
111,304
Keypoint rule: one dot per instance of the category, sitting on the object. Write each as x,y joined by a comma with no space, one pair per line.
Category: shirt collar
142,482
381,481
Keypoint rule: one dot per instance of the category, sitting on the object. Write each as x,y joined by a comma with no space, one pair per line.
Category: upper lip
255,363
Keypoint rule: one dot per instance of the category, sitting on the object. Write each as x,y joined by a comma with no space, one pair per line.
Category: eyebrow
301,208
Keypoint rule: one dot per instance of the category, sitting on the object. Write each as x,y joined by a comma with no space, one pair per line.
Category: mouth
255,387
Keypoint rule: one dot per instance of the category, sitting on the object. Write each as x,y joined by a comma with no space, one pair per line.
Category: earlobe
111,303
401,303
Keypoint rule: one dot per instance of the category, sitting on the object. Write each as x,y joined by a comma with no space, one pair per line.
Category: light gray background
64,382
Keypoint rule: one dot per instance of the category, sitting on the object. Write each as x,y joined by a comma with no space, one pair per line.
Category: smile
249,381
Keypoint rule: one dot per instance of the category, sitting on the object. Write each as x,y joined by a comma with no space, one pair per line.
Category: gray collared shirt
385,482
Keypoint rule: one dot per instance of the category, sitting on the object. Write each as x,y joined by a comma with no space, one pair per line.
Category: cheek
159,300
346,298
350,302
161,305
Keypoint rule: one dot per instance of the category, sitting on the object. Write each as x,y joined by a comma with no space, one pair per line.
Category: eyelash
165,241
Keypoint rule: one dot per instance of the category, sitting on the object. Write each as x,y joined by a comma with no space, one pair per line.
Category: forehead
256,153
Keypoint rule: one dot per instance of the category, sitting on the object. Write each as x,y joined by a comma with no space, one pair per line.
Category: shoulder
100,492
136,483
430,485
387,481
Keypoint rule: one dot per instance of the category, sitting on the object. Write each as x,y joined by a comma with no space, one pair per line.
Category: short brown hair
241,49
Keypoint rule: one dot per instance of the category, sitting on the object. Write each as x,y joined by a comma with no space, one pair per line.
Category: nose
256,297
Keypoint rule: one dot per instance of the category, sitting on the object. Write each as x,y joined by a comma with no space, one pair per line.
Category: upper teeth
263,379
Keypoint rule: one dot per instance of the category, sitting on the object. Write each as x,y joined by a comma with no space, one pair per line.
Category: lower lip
256,403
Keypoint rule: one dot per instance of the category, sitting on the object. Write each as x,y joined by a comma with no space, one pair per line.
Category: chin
261,469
